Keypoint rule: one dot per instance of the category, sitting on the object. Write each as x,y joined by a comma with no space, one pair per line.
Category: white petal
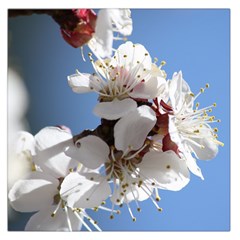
25,141
208,150
43,221
33,193
132,192
80,192
115,109
101,43
166,169
92,151
122,20
131,55
80,82
179,93
150,89
133,128
51,143
192,165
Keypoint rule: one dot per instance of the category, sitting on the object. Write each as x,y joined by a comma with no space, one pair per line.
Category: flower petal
179,93
192,165
206,148
165,169
80,192
149,89
92,151
50,146
80,82
122,20
132,193
33,193
101,43
133,128
43,221
25,141
115,109
131,55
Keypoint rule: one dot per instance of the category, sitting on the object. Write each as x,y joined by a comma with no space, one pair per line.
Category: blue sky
194,41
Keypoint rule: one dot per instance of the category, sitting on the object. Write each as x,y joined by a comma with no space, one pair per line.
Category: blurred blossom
17,107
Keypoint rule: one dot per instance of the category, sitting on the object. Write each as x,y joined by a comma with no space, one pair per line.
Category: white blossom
128,76
189,128
133,178
43,189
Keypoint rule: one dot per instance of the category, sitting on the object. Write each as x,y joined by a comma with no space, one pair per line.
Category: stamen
82,221
94,223
82,53
55,211
136,153
68,219
130,212
157,195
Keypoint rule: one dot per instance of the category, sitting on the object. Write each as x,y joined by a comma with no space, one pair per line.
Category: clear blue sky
194,41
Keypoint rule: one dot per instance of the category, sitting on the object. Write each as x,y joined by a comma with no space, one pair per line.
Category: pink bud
84,29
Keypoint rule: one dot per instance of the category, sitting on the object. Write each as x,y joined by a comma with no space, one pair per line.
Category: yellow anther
70,169
163,63
207,85
197,104
139,209
146,54
196,131
33,167
215,130
168,166
124,55
214,104
134,45
95,209
134,219
202,90
53,215
138,76
89,54
155,60
111,217
192,94
210,110
219,120
160,209
118,212
157,198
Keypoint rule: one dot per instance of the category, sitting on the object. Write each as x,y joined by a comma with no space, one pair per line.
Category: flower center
119,166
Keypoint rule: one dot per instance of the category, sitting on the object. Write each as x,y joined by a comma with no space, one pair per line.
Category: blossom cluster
152,134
